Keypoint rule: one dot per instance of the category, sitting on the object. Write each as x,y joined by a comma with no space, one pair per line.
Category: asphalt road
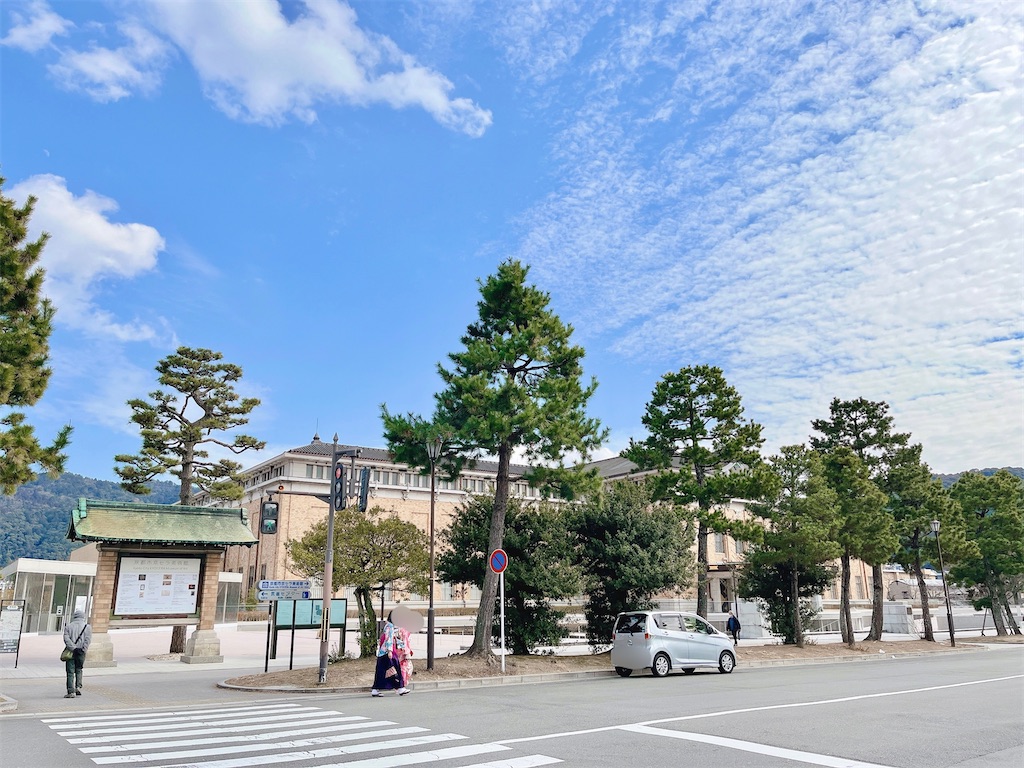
964,710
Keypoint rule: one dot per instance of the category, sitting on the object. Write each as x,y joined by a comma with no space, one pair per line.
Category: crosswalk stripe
163,725
191,730
249,737
351,749
244,748
529,761
412,758
128,717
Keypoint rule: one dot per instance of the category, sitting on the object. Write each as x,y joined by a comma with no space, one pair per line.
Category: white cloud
258,66
832,209
109,74
35,30
85,249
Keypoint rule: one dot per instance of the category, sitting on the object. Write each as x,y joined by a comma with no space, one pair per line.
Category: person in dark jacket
77,636
733,626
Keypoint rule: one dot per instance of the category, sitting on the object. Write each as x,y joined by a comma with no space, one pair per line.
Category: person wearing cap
77,636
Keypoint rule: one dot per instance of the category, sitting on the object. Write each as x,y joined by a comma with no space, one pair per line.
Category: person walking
77,636
388,673
733,626
403,649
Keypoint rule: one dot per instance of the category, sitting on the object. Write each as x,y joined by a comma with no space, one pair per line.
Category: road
964,710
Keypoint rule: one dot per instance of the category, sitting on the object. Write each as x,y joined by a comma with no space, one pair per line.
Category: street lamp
945,584
433,453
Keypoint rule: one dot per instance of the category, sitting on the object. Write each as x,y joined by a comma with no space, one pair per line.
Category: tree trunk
794,584
367,622
997,605
877,604
845,618
1012,626
178,639
926,613
481,646
702,570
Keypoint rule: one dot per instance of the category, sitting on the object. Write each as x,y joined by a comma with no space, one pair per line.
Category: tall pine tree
705,452
26,322
865,427
515,386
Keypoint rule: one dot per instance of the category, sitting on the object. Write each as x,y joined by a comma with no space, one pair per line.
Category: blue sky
825,200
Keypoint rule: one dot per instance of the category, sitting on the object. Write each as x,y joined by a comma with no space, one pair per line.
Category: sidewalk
244,648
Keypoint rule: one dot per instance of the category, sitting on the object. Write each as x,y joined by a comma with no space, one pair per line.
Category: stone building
300,481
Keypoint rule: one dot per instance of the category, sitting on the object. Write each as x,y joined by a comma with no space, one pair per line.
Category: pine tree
26,322
515,385
199,406
865,427
801,523
705,453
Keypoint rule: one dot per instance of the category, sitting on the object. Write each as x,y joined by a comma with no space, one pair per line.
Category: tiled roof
120,521
320,448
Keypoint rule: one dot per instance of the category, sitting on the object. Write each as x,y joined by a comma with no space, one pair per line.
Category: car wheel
661,665
726,662
623,672
689,670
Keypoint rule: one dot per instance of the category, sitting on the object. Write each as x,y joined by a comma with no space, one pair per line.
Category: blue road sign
498,561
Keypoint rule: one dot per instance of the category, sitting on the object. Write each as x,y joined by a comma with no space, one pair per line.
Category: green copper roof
121,521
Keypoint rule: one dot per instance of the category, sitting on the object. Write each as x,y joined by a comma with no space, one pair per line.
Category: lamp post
945,585
433,452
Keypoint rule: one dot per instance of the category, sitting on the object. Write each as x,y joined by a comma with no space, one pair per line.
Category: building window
309,470
740,547
720,543
319,473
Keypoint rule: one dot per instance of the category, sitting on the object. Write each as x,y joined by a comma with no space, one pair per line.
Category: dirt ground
359,672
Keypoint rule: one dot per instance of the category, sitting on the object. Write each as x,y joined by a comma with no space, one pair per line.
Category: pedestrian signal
268,517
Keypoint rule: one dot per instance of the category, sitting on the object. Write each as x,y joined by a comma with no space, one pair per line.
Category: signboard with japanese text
157,586
12,613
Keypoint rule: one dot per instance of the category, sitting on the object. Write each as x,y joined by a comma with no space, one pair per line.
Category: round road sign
498,560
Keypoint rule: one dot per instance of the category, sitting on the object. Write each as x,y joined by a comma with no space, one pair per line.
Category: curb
551,677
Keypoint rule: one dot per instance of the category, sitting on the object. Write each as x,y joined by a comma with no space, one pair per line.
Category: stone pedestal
101,651
203,647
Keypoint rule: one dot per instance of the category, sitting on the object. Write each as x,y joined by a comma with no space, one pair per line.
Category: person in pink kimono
403,650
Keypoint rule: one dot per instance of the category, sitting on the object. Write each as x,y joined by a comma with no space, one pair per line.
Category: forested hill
34,521
948,480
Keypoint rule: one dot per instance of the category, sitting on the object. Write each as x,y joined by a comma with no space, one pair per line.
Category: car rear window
632,623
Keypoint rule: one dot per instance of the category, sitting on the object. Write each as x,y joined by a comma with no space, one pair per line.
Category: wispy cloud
86,248
110,74
827,205
35,28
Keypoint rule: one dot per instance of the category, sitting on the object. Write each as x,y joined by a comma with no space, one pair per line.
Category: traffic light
268,517
364,488
340,496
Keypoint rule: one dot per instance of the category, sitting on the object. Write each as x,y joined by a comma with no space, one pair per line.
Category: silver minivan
667,640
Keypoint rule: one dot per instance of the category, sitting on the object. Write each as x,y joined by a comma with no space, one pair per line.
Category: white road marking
413,758
291,757
73,722
530,761
747,710
245,748
760,749
247,738
193,730
200,720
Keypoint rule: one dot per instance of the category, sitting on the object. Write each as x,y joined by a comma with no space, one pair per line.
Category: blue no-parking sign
499,561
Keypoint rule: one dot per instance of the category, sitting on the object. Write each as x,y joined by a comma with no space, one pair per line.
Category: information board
12,614
157,586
